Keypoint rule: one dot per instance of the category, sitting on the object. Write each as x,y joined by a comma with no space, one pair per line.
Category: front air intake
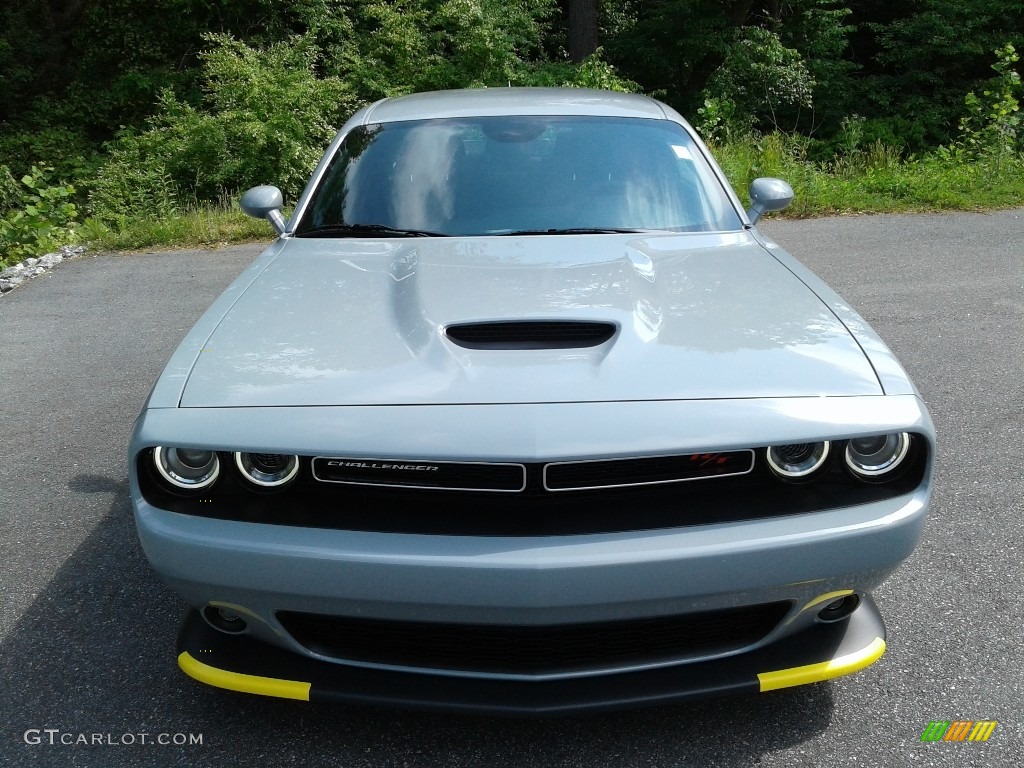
530,650
530,334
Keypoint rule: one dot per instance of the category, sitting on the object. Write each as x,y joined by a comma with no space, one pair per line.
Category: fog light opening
224,620
839,609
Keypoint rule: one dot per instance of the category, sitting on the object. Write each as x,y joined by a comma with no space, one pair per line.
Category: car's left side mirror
265,202
768,194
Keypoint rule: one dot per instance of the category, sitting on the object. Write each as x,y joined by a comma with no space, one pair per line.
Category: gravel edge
16,274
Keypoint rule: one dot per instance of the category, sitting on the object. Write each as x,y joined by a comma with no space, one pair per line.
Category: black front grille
577,475
530,649
556,476
532,334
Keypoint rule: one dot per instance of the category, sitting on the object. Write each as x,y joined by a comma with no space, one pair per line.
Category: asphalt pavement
87,630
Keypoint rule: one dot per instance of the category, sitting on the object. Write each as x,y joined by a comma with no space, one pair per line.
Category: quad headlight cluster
872,459
194,470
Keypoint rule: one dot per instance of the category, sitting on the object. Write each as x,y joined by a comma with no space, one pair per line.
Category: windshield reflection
495,175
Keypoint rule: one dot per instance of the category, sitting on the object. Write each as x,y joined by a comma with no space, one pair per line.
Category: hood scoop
530,334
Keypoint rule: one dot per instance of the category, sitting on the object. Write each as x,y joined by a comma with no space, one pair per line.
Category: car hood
361,322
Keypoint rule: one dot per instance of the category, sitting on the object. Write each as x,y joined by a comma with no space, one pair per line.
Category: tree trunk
582,29
739,10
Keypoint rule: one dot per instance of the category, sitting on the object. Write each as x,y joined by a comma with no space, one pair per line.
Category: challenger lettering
382,465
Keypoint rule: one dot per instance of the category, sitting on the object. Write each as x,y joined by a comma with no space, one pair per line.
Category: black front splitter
240,663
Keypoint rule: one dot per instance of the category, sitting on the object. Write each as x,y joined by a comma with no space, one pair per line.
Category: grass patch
197,227
875,179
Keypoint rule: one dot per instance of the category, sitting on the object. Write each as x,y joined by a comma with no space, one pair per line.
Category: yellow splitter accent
825,670
236,681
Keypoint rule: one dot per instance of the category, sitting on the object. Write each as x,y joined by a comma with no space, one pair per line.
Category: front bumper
260,571
574,579
819,652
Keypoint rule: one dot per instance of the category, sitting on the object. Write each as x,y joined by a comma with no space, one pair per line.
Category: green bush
10,191
68,154
592,72
266,119
993,125
134,183
760,75
37,217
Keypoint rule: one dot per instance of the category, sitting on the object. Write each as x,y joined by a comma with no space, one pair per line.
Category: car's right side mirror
265,202
767,194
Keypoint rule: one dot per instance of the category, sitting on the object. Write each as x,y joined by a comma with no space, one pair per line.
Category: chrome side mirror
265,202
767,194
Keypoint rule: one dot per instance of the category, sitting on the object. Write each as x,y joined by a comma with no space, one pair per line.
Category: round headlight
874,458
797,461
190,469
267,470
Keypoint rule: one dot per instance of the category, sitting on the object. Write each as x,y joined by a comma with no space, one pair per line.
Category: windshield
507,175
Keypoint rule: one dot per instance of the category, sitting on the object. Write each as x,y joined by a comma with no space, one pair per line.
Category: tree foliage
919,58
266,117
405,46
149,106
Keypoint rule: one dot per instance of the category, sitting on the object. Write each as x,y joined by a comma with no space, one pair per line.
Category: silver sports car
521,413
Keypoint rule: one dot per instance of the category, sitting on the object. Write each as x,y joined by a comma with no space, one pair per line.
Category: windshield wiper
573,231
364,230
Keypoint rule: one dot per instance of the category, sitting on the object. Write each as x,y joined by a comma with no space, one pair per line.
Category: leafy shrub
38,217
68,153
592,72
266,119
719,120
759,75
134,183
10,191
993,124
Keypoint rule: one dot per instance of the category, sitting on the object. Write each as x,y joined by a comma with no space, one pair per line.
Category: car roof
514,101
